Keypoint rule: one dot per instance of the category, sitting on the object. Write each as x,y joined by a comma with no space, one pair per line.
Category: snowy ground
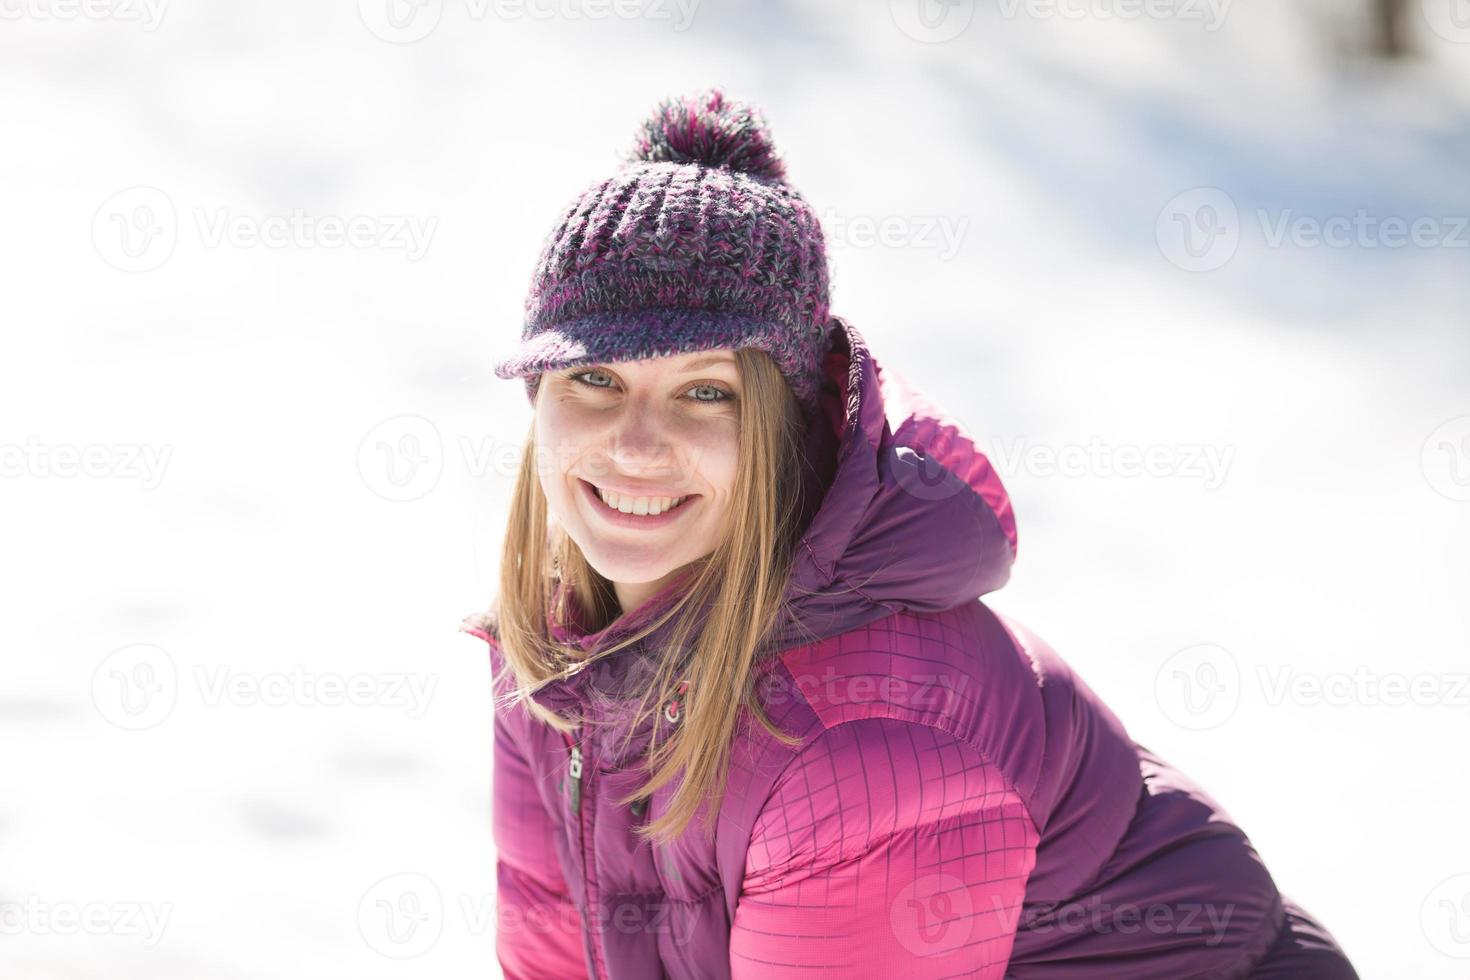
237,715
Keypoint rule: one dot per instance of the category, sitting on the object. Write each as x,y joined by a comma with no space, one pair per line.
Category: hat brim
633,335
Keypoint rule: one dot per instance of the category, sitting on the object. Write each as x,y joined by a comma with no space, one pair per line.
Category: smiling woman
628,440
742,582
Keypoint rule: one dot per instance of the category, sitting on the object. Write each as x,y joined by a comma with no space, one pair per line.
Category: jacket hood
910,517
915,518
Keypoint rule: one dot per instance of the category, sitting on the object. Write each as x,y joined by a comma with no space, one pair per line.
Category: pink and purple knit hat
696,242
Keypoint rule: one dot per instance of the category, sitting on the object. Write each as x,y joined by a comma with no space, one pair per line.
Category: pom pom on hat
709,129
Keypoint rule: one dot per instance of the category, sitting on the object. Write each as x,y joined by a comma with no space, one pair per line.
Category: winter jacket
961,803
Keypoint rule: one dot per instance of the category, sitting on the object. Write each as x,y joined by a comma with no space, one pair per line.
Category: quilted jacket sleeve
538,929
888,848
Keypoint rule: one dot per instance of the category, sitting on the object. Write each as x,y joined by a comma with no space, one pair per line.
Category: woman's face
637,461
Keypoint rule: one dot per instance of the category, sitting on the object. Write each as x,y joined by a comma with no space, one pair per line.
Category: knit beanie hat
695,242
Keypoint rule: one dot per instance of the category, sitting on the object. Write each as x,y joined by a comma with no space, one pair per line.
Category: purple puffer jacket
962,804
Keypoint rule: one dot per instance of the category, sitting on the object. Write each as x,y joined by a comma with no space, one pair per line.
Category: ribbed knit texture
696,242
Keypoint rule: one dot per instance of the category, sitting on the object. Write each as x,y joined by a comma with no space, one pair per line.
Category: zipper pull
576,773
574,769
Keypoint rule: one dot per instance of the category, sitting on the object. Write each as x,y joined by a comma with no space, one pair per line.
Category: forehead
679,363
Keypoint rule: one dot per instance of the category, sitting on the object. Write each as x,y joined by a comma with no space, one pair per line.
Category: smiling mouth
632,506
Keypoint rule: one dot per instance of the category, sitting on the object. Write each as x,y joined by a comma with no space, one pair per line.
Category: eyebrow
700,362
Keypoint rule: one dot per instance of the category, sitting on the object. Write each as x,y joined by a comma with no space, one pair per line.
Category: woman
753,719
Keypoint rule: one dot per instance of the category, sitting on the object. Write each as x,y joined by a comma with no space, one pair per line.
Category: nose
639,441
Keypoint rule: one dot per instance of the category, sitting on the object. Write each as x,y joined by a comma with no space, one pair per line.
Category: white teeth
642,506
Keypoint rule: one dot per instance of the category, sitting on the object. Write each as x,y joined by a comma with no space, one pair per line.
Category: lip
639,521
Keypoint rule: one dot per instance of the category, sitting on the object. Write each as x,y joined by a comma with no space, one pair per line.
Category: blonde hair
741,585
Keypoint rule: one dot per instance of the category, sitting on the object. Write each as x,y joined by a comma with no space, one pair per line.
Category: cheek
554,452
718,452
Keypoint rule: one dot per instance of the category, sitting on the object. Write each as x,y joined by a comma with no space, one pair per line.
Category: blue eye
581,378
720,394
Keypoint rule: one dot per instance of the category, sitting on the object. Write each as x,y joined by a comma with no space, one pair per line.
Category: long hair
720,621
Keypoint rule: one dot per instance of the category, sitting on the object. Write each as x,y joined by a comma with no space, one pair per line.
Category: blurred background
1192,272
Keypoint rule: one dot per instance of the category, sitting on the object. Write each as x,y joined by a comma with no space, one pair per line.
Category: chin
614,565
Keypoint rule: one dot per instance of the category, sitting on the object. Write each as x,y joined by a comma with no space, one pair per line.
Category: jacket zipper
575,771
